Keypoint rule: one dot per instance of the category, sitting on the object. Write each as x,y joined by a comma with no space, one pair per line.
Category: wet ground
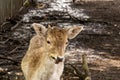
100,39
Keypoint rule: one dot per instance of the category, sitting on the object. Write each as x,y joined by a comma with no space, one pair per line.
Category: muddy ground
100,39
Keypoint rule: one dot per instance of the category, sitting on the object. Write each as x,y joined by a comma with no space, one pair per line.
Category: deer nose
59,59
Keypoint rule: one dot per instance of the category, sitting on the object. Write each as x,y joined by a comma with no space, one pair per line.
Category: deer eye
48,42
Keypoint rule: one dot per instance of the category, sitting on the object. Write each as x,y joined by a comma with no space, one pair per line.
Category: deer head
56,39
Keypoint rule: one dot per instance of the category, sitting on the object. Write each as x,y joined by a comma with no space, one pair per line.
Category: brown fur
44,59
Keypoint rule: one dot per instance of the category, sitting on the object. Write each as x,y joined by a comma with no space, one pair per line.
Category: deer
44,59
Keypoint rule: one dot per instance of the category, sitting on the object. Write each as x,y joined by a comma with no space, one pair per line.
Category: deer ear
74,31
39,28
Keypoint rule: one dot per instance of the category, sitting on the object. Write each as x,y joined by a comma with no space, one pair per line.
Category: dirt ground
100,39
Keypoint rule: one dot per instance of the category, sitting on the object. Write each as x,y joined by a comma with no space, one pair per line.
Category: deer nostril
58,60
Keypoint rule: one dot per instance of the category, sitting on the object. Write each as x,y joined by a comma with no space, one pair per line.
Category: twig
3,42
14,50
86,75
10,59
14,27
78,73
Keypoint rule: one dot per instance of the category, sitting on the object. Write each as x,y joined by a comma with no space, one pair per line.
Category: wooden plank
0,11
5,9
12,7
9,8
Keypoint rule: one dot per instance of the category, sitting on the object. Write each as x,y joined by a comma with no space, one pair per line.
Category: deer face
56,42
56,39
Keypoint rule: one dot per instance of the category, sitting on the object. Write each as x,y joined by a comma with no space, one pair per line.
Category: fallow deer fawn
44,59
